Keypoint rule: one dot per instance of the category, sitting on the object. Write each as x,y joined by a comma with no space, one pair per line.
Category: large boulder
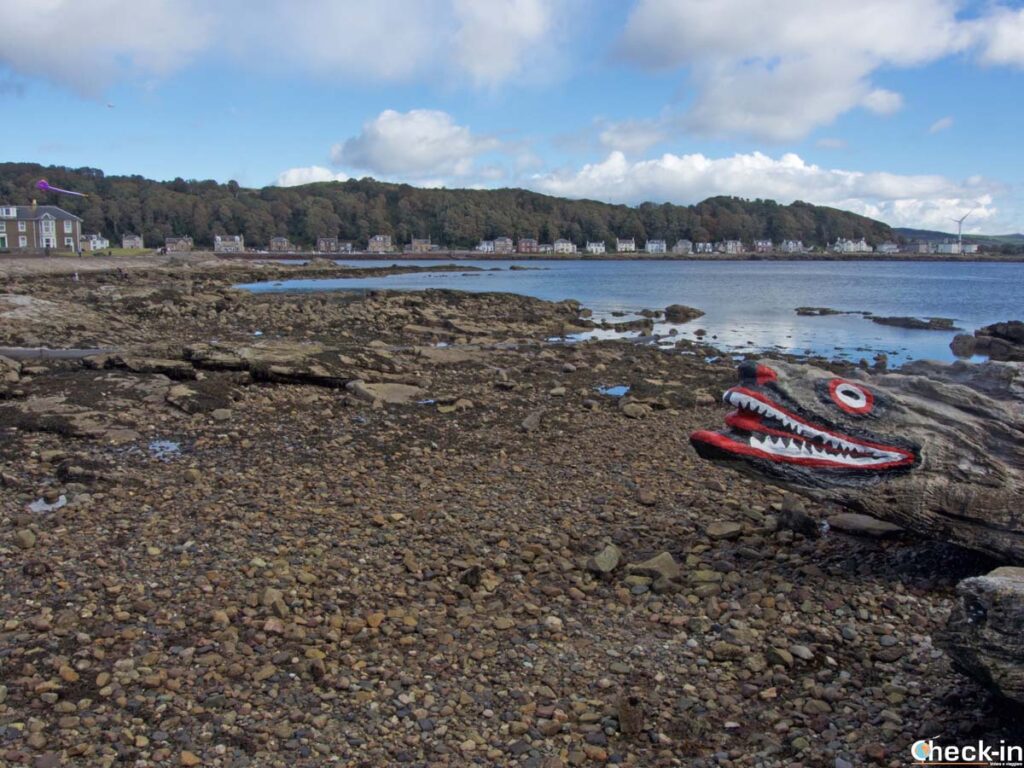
985,633
932,448
389,393
1000,341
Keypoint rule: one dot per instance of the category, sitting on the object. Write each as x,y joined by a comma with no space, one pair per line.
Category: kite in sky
45,186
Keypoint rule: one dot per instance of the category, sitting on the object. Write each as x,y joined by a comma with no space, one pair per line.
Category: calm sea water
750,305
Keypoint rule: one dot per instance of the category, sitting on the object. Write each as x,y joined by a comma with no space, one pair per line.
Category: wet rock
680,313
1000,341
926,324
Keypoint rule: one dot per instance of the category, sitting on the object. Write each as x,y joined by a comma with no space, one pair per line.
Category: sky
909,111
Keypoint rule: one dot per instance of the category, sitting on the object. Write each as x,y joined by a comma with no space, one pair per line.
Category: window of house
69,242
67,227
48,226
21,226
3,226
3,242
22,241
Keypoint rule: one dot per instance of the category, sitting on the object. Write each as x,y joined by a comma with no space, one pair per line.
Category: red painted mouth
760,428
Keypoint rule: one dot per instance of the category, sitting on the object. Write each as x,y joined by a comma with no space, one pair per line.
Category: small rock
25,538
793,517
876,753
801,652
219,414
553,623
635,410
725,530
605,561
532,422
630,715
660,566
190,758
647,498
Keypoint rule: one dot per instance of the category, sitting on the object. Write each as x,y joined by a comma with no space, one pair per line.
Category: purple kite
45,186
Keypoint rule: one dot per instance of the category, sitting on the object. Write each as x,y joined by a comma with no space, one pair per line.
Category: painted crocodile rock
935,448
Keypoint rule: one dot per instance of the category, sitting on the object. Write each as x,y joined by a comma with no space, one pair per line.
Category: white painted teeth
846,453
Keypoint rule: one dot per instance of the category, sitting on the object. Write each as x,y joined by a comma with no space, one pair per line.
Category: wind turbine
960,230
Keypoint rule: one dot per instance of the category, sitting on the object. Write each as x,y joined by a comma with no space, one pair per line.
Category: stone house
181,244
96,242
280,244
228,243
504,245
38,227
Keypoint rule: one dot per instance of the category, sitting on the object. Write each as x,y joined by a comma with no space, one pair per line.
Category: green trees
458,218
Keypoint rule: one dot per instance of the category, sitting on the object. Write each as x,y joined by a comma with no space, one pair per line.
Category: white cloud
942,124
901,200
497,39
883,102
414,144
87,46
777,70
633,136
295,177
349,39
1002,35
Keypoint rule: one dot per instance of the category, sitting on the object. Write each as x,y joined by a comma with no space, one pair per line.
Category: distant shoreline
476,256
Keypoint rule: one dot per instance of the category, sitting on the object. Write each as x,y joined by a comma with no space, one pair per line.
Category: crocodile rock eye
850,397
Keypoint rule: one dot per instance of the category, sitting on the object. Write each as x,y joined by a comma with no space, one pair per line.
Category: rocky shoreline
383,528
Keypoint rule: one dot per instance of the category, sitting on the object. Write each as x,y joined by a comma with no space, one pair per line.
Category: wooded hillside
457,218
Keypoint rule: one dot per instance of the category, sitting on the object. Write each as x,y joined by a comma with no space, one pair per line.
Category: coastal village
50,228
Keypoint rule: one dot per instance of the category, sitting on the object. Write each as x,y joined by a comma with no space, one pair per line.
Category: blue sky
906,110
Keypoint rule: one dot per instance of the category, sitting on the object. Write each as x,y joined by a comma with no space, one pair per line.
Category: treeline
457,218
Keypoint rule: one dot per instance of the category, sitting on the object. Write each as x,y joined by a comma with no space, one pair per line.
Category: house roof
30,213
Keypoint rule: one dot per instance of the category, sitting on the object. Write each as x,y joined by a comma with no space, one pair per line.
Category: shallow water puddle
164,450
42,505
